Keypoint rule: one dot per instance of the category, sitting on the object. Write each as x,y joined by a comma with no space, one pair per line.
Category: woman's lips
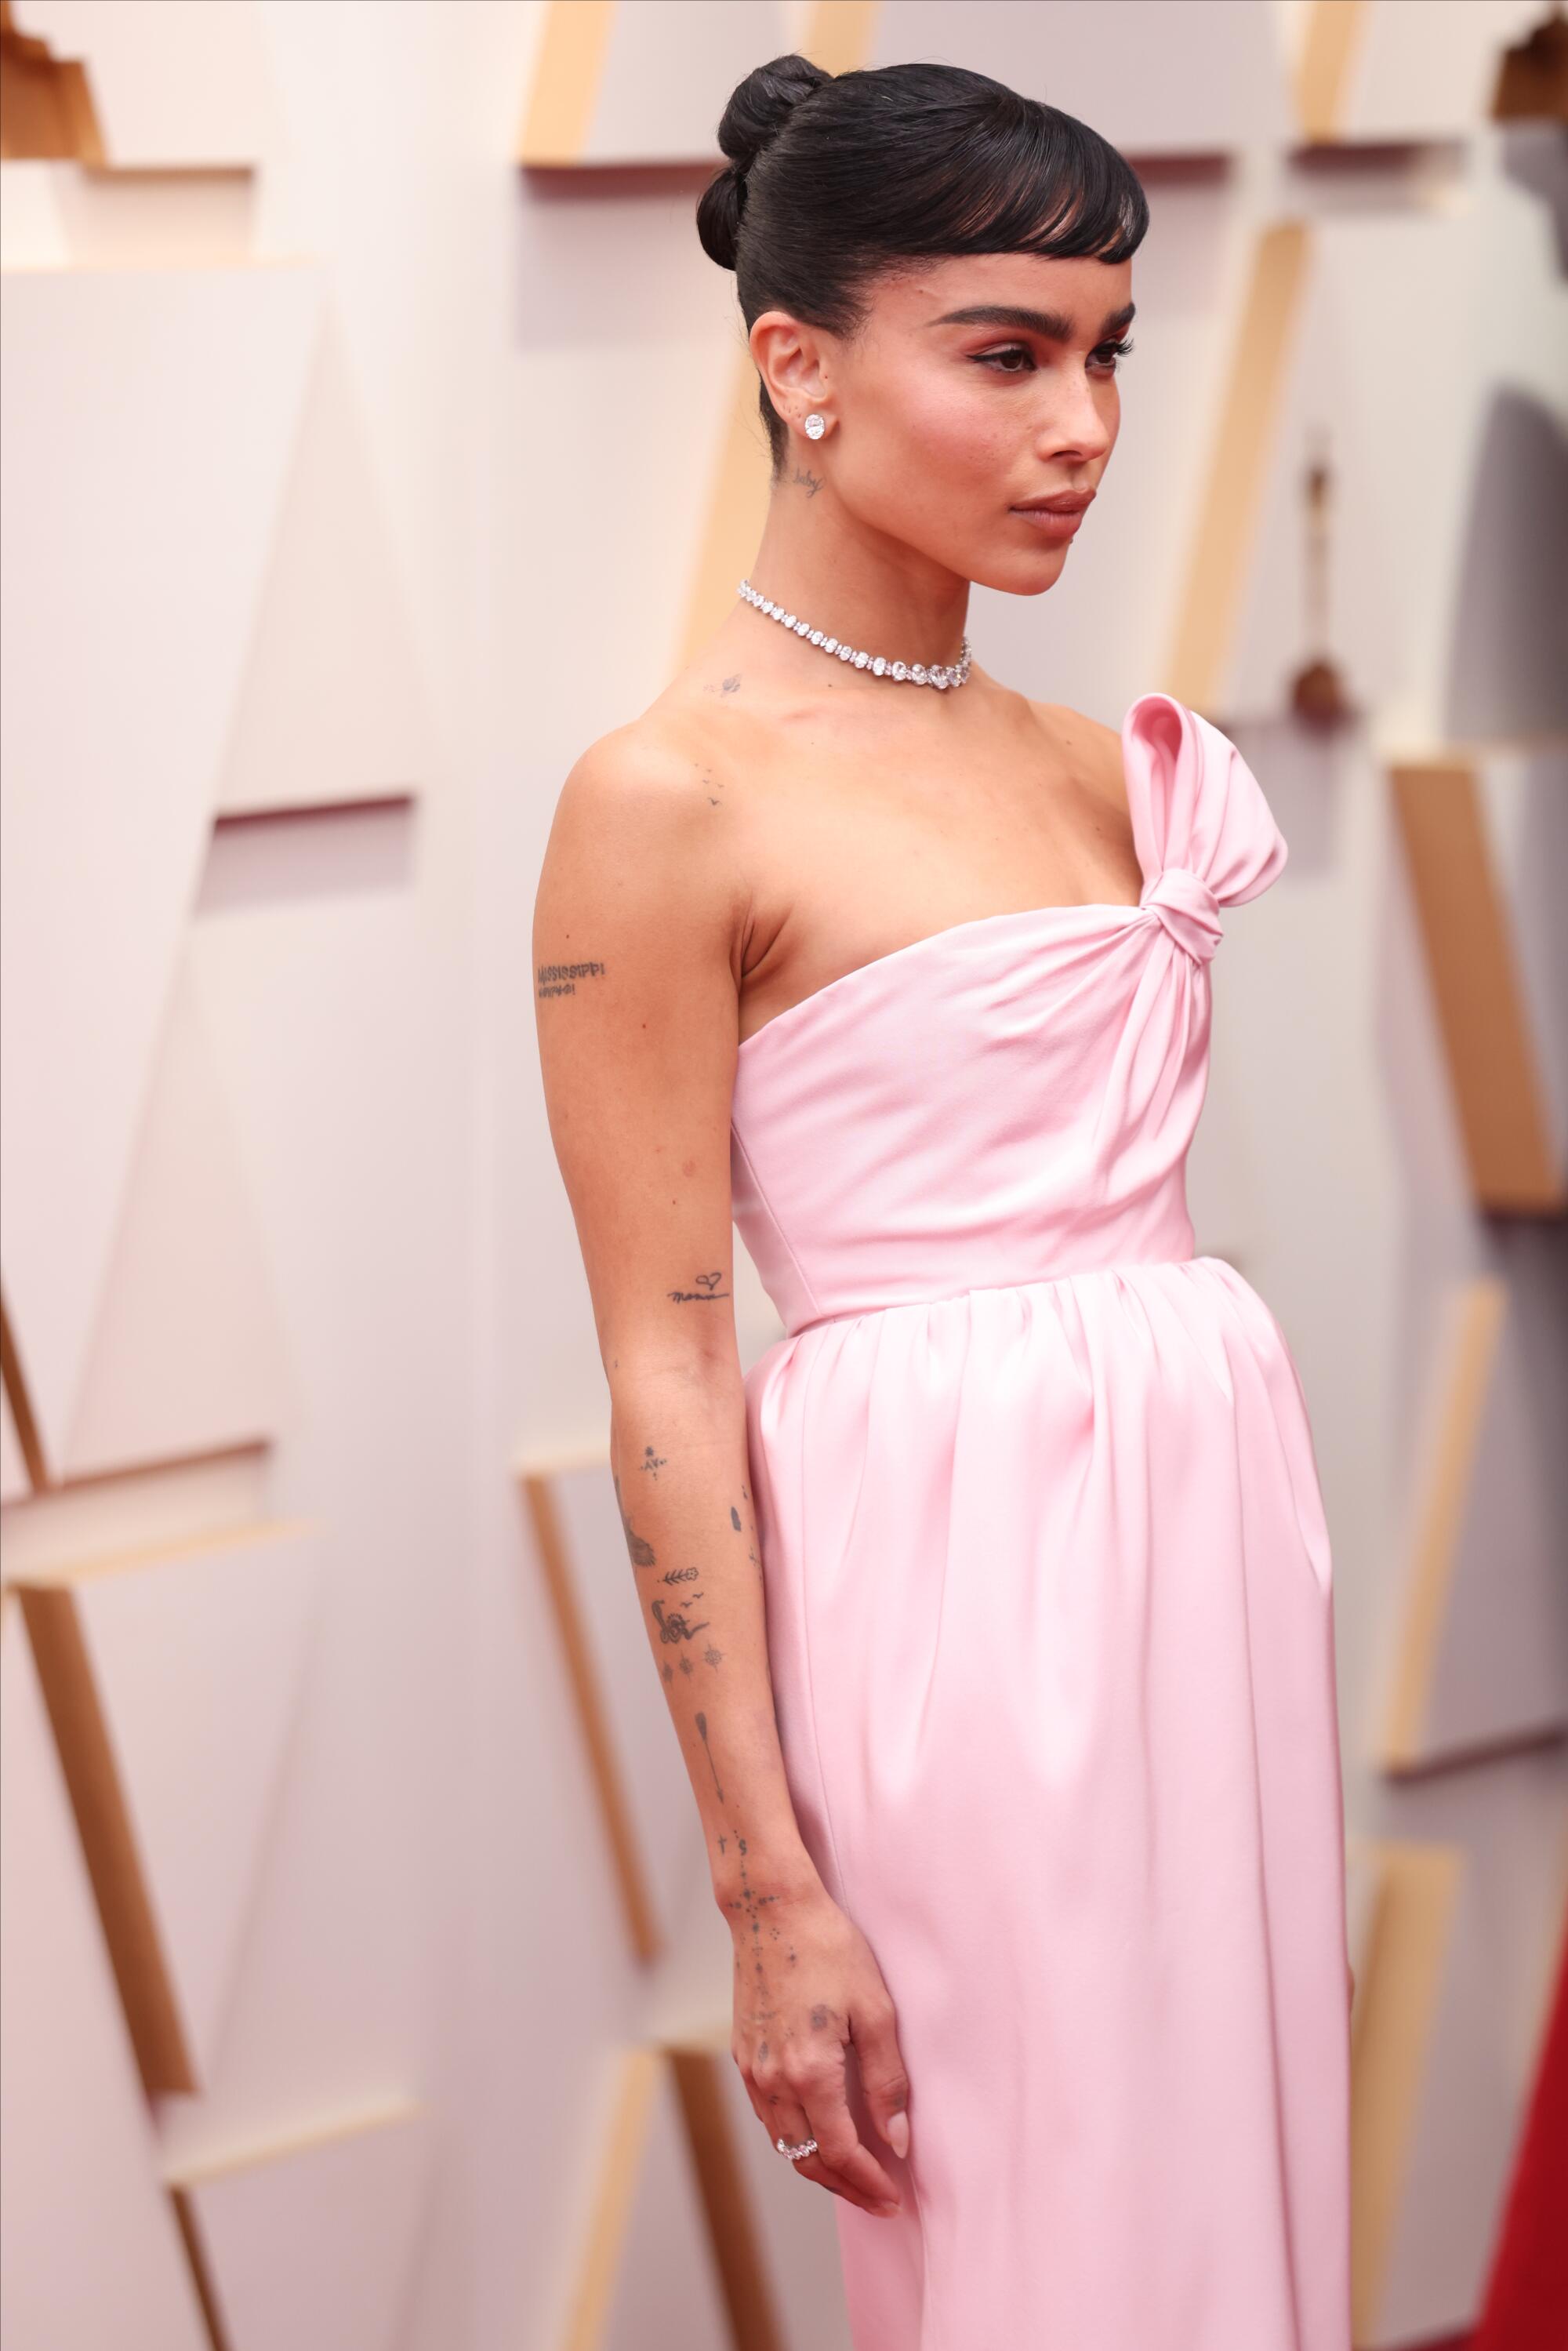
1056,527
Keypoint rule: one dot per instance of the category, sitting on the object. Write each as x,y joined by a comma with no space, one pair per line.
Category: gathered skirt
1050,1617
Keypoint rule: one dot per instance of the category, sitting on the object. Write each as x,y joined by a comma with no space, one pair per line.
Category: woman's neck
859,585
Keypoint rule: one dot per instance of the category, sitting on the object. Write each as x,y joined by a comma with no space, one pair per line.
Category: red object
1526,2306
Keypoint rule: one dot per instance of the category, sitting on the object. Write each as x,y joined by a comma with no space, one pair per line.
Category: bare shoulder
652,788
655,772
639,820
1087,749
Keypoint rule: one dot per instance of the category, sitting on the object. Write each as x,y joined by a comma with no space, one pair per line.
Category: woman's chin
1029,575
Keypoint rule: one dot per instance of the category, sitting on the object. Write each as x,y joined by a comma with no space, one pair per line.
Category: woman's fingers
875,2030
783,2114
821,2093
781,2119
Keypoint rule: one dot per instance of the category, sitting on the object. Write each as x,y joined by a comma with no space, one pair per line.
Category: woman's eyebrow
1054,325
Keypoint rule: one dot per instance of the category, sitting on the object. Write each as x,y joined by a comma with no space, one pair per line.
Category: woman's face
976,385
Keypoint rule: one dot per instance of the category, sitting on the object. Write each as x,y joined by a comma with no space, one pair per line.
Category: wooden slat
569,68
46,113
588,1700
726,2204
642,2073
1233,493
28,1437
1468,1353
738,510
841,33
1394,2017
1331,44
1467,931
108,1840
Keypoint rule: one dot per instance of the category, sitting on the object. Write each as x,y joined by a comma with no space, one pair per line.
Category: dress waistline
991,1290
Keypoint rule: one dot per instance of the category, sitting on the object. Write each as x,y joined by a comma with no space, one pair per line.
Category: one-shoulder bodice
1011,1099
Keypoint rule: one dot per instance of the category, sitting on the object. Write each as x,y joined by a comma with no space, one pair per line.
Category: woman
993,1607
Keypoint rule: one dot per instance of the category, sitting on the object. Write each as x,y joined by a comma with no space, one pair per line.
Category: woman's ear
789,358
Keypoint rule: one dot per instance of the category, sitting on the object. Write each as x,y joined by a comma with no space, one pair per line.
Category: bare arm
635,1004
637,931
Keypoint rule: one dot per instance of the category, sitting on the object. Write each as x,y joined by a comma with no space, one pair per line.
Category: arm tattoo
707,1287
674,1627
561,978
643,1554
712,1767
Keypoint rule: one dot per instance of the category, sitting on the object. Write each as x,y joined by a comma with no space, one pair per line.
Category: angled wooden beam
642,1929
108,1841
46,113
641,2074
1233,493
568,67
1468,936
1396,2013
21,1403
727,2201
693,2066
1331,43
840,34
1469,1349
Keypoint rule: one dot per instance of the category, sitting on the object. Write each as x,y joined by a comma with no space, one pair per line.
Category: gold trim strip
1238,469
1398,2000
1334,33
1467,1361
1467,932
588,1700
841,35
568,73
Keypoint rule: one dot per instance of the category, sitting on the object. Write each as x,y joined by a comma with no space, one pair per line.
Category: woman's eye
1002,362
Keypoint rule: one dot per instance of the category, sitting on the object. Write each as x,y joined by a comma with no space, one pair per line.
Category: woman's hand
806,1985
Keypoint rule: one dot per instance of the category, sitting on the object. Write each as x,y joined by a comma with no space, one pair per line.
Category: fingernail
898,2134
887,2211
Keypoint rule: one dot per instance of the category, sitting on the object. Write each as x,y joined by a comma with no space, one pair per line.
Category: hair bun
757,111
762,104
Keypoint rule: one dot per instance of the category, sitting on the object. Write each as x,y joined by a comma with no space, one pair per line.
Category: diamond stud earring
815,425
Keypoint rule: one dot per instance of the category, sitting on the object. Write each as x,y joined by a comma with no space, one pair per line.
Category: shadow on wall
1508,664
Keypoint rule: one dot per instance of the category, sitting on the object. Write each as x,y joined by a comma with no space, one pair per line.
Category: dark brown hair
834,180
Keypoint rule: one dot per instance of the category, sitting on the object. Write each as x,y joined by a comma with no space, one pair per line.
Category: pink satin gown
1050,1616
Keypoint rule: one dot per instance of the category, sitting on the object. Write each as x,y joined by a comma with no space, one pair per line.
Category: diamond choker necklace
906,672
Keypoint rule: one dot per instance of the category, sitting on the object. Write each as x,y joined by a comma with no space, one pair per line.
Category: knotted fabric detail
1188,909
